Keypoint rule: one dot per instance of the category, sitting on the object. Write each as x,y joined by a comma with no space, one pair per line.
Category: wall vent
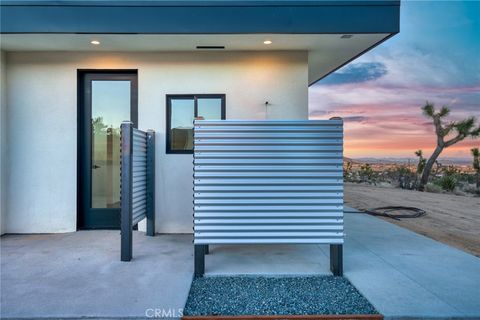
211,47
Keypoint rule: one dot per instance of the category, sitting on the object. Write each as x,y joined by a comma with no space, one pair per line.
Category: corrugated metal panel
137,186
268,182
139,176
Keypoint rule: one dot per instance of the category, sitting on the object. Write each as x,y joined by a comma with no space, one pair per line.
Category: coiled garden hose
389,212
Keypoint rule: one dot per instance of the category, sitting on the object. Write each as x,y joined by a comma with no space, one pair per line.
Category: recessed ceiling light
95,42
267,42
346,36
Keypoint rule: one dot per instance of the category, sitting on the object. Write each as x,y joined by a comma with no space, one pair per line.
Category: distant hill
345,159
444,161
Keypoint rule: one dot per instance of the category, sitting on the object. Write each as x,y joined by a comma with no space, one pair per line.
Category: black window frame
194,97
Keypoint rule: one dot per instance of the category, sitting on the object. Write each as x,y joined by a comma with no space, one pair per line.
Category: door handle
95,166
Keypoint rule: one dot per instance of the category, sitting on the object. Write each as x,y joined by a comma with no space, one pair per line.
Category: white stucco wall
42,122
3,141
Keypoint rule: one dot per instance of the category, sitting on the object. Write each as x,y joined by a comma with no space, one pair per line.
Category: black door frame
84,137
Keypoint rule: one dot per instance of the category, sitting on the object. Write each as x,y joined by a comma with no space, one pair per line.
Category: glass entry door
107,100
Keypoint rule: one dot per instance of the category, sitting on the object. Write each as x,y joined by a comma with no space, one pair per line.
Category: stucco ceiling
326,52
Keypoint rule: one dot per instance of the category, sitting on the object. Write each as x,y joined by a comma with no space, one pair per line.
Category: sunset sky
435,57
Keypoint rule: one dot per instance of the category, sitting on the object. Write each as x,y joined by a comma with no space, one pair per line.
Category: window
182,110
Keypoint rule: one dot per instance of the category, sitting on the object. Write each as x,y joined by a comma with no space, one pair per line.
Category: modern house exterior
72,71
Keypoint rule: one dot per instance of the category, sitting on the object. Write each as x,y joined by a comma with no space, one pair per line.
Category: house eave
311,83
200,17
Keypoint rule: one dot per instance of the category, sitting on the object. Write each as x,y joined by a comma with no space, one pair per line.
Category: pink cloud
385,120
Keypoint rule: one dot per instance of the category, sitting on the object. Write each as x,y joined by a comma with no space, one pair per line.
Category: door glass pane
181,132
210,108
110,106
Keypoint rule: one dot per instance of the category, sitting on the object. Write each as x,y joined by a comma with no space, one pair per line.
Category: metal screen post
199,260
150,183
126,190
336,259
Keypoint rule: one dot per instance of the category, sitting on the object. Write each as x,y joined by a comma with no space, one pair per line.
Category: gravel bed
260,295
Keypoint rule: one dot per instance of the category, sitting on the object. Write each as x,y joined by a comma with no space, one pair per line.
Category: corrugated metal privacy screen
139,176
137,183
268,182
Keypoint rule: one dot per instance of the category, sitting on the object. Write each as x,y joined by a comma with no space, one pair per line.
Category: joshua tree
98,125
421,161
476,165
420,165
461,129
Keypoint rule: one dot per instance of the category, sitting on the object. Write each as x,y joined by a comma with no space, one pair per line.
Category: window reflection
110,106
210,108
183,110
181,132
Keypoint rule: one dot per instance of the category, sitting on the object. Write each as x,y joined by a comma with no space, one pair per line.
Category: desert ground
451,219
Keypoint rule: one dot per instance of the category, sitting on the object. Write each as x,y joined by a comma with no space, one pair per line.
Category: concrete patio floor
403,274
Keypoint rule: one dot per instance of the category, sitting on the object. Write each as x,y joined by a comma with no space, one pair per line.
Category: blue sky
435,57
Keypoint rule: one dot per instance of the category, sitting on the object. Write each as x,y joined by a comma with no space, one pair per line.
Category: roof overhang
200,17
314,26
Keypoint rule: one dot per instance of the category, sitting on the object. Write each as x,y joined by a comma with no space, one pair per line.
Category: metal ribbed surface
139,175
137,184
268,182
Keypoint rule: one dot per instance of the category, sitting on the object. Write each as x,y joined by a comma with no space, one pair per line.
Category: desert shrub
433,188
449,178
366,173
451,171
404,177
447,182
471,188
459,192
384,184
347,171
466,178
